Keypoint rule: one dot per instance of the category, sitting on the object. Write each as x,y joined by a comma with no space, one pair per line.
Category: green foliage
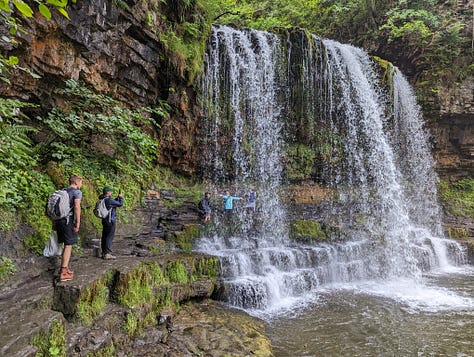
8,221
7,268
185,44
299,162
131,323
139,291
51,343
458,197
176,272
209,267
106,351
430,34
144,291
186,238
92,136
435,39
92,301
137,288
458,233
90,117
23,187
302,229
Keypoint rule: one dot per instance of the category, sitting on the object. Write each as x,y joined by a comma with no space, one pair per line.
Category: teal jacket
228,201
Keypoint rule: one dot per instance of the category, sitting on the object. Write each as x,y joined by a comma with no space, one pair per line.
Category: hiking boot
109,256
65,274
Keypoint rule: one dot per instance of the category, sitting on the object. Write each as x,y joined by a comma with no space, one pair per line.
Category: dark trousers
108,233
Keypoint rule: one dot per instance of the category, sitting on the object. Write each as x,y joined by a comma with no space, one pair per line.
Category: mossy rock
306,231
186,238
53,341
458,233
299,162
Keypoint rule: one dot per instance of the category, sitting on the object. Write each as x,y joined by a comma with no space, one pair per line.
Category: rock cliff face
117,51
452,128
117,48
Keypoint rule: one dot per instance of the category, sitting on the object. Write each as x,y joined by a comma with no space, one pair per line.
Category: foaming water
376,158
416,298
395,318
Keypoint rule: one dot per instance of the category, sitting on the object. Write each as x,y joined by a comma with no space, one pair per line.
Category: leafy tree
432,38
422,35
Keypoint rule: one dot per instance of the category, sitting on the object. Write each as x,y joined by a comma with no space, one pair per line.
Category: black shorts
65,231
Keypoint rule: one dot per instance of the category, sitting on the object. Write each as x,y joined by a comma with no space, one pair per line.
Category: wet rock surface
193,324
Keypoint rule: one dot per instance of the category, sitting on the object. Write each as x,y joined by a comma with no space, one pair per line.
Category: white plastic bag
52,248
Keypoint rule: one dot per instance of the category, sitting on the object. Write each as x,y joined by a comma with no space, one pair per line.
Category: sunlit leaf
58,3
4,6
13,30
64,12
44,10
25,10
13,60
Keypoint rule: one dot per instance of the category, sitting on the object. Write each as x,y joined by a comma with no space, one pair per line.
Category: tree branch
226,13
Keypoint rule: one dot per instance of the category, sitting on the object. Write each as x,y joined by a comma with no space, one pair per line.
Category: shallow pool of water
397,318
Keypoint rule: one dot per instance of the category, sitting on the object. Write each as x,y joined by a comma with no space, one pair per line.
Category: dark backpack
58,205
201,205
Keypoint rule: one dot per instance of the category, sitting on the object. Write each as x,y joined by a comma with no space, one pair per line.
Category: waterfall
259,90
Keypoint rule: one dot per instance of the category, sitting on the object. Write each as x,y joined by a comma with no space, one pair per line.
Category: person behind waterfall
251,200
205,207
109,222
228,202
68,227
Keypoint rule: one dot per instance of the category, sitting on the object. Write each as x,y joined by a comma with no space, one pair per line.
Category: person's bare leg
66,256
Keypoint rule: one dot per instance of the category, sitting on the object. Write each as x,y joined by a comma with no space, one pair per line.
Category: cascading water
259,88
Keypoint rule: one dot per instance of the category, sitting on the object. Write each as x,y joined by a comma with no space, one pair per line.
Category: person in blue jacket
252,197
109,222
228,202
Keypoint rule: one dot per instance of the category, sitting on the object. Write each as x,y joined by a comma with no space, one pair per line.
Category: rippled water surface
396,318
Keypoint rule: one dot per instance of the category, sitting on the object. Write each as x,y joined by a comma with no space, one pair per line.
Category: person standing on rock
228,202
109,222
68,227
205,207
251,198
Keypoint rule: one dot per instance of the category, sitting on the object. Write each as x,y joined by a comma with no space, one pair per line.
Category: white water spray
386,180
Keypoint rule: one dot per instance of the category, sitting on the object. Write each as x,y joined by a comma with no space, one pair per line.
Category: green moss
386,66
142,292
186,238
145,291
303,229
176,272
107,351
131,324
52,342
93,300
7,268
135,288
8,221
156,274
299,162
458,233
209,266
457,197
